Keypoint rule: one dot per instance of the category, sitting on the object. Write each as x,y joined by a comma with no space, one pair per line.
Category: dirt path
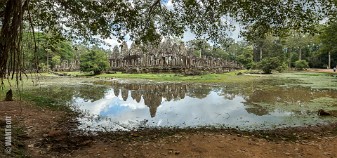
321,70
212,145
48,133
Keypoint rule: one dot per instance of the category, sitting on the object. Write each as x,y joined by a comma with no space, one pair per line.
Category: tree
115,52
301,44
48,46
147,21
200,47
65,50
218,52
246,57
328,39
95,60
56,60
270,63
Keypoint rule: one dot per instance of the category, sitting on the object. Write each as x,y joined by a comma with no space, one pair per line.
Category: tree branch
153,5
150,11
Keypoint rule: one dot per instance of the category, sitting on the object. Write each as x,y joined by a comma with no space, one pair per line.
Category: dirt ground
321,70
51,133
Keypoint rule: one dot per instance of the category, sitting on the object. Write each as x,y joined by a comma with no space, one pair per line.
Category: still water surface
130,106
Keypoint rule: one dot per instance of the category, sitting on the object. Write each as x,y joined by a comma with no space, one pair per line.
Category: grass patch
316,80
25,91
45,101
311,106
206,78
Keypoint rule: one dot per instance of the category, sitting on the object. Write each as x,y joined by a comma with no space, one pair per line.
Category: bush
269,64
282,67
301,64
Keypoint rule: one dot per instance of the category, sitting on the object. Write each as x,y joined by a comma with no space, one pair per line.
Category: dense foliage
269,64
301,64
96,61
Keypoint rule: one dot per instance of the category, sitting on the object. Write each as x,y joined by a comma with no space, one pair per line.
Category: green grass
230,77
317,80
70,73
206,78
46,101
25,90
46,74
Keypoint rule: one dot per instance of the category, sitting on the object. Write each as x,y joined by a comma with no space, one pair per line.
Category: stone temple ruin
167,57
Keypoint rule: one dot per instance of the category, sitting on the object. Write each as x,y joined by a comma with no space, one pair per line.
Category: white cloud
169,4
112,41
188,35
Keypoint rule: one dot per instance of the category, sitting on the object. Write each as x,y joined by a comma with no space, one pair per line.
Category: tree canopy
145,19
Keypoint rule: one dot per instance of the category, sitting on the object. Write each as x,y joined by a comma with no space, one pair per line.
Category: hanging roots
11,56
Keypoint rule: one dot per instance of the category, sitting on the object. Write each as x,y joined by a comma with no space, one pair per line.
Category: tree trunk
329,64
260,53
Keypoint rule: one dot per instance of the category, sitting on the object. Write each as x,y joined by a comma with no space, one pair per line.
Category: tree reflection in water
155,94
183,105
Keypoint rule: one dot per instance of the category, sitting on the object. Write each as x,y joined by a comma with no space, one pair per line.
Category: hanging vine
11,55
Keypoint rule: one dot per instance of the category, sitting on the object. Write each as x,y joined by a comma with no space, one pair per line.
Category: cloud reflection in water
126,107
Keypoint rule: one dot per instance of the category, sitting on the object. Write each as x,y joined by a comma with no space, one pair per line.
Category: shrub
282,67
269,64
301,64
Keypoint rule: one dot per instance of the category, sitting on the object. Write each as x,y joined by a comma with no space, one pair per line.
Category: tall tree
115,52
328,39
200,47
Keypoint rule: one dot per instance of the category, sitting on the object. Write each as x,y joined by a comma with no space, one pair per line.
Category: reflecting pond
256,105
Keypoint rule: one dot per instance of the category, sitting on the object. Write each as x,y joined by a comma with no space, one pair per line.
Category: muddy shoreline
60,136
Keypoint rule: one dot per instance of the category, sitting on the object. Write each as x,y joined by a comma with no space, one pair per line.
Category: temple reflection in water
153,94
128,106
